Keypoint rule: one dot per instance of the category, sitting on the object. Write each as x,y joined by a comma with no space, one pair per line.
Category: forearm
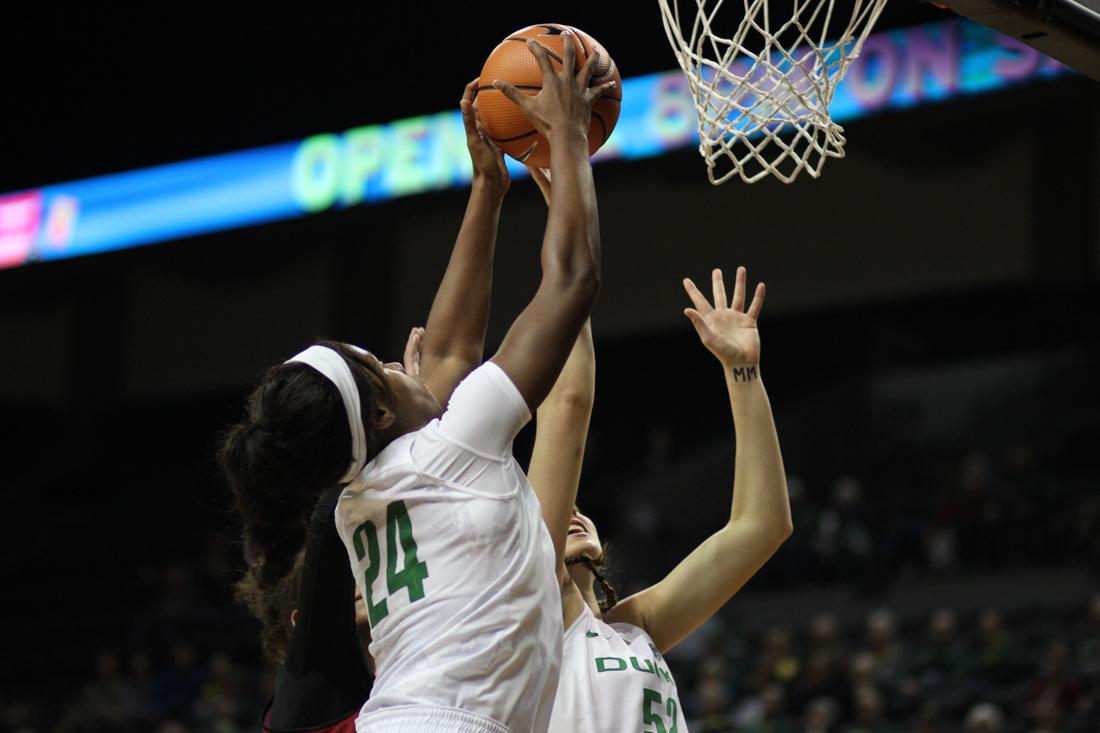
560,437
760,500
455,329
571,247
575,389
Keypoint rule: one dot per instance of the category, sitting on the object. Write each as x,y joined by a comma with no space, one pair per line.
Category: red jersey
345,725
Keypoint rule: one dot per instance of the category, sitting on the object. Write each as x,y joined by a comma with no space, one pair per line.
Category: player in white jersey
443,531
614,678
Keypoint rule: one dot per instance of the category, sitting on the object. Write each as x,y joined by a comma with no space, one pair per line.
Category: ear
294,617
384,416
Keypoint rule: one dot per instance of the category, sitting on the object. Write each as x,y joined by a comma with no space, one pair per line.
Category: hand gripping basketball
563,108
486,158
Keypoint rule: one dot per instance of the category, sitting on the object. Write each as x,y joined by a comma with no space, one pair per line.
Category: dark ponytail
293,443
609,596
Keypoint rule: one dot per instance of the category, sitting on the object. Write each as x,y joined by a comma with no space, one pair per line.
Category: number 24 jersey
447,543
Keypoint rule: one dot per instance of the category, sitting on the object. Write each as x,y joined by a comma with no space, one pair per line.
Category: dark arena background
931,349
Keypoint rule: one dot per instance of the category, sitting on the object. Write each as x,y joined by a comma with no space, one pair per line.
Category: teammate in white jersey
614,678
443,531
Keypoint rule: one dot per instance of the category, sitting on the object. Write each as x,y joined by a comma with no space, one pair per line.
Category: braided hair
609,596
273,605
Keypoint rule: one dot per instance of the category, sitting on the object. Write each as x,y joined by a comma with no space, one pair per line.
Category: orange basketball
513,62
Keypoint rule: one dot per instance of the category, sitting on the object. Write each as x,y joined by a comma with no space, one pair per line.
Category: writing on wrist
746,373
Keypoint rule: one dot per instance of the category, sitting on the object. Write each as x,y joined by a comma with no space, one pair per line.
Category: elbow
579,272
584,278
578,286
781,530
769,536
590,288
569,400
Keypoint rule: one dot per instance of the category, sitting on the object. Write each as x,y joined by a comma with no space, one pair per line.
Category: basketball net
762,94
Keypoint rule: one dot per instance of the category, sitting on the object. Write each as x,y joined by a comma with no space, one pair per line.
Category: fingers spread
588,69
697,298
757,301
541,56
739,290
595,93
719,288
569,55
512,93
697,321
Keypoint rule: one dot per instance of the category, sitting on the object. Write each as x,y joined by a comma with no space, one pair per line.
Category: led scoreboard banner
896,69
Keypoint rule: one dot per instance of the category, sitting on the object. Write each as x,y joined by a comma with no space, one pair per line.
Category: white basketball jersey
613,680
447,544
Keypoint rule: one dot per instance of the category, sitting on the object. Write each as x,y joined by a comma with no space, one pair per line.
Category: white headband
332,366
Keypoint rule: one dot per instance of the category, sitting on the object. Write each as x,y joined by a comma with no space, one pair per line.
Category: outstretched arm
760,514
454,337
560,435
539,341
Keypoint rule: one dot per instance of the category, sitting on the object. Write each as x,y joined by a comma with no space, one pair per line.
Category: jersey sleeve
325,676
485,413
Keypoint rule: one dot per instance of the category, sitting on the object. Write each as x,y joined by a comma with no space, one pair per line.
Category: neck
585,582
395,431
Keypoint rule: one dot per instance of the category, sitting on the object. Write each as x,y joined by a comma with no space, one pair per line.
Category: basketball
513,62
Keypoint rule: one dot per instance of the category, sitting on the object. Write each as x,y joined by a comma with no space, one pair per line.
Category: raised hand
411,361
487,159
727,330
565,102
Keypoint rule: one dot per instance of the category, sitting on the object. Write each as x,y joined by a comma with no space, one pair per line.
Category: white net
762,85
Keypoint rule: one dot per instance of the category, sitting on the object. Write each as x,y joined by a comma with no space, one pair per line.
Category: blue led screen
896,69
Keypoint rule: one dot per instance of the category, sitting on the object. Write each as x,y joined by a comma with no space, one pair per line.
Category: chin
585,548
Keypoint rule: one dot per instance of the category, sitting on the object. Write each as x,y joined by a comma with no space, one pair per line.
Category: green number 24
398,525
649,717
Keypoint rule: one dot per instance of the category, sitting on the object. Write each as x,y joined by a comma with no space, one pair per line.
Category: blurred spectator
922,682
824,636
984,717
995,661
17,717
1055,691
183,660
178,685
883,644
713,706
764,713
929,719
220,693
868,712
841,539
781,662
820,679
1088,645
821,715
105,703
940,657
